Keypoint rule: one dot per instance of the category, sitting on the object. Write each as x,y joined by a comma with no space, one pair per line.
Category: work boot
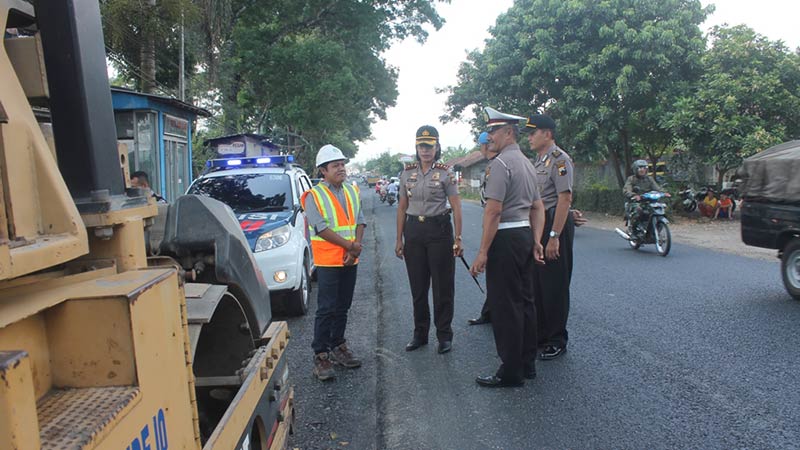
323,367
344,357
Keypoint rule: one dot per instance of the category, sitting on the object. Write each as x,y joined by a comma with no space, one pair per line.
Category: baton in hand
473,276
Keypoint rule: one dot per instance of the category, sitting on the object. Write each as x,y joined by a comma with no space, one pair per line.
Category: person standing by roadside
513,220
425,238
483,141
554,172
337,224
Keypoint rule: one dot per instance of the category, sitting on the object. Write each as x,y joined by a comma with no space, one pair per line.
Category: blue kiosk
158,133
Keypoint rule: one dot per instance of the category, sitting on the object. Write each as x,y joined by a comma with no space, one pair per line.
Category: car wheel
297,300
790,268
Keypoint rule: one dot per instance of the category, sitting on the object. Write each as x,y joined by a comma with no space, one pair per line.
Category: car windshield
248,192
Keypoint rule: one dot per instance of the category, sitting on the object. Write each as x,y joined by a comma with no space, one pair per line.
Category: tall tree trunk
148,52
617,168
148,65
627,150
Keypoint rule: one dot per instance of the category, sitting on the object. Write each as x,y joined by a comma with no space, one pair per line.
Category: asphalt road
696,350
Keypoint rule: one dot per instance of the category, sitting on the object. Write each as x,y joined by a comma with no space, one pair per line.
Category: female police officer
425,238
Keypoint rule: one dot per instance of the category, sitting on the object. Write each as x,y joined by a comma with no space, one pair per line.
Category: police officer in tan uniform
554,175
425,238
513,220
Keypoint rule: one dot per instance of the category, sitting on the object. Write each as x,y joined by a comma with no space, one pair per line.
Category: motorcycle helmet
639,163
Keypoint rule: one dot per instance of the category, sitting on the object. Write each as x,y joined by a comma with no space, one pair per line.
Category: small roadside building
470,169
244,145
158,132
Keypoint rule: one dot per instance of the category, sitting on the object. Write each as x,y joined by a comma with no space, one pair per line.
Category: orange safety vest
327,254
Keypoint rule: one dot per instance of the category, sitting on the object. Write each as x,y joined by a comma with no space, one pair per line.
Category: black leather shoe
495,381
415,344
444,347
552,352
479,321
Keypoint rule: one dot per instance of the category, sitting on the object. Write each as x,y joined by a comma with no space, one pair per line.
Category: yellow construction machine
123,324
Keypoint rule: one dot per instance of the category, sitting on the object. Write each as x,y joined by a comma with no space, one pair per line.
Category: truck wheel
790,268
297,300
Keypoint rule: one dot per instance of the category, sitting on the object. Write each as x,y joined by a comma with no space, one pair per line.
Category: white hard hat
329,153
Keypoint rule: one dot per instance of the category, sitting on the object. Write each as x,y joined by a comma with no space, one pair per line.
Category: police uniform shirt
315,218
427,193
553,175
510,178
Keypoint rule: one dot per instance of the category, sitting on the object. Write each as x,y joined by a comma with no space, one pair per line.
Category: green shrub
599,198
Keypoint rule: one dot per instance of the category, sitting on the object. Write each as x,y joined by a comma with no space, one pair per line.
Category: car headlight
273,239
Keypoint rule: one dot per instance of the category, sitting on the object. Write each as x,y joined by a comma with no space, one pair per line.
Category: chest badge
547,163
436,176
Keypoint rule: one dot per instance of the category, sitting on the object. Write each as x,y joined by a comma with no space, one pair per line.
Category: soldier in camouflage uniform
637,184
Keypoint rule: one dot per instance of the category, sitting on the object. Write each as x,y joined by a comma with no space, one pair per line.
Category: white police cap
495,118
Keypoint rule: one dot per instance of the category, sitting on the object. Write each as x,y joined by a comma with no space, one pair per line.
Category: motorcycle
383,196
391,197
689,200
653,225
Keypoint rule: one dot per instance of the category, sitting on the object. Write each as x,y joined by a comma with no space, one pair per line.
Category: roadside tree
602,69
748,99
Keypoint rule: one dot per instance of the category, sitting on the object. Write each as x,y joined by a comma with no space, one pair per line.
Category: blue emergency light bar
256,161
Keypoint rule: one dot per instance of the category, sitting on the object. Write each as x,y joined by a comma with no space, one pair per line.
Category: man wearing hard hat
336,224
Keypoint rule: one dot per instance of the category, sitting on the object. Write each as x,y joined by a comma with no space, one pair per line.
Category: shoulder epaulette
411,166
441,166
557,153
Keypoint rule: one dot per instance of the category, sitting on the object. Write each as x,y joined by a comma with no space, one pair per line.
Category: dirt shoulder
722,235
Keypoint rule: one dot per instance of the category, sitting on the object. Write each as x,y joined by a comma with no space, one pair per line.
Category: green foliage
603,70
128,26
747,99
455,152
599,198
384,165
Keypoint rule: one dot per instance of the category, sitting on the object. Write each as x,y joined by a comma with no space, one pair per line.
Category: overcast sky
423,68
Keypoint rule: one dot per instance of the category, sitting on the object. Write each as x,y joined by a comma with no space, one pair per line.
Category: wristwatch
553,234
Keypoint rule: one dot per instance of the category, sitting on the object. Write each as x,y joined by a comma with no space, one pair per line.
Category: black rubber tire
663,248
790,268
297,300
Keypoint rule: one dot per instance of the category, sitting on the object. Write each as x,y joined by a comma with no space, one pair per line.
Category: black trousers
509,286
552,286
428,251
485,311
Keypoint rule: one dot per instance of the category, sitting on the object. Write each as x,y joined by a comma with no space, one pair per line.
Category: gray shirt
554,174
510,178
427,192
314,217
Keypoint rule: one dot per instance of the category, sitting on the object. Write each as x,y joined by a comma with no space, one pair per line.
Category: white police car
264,194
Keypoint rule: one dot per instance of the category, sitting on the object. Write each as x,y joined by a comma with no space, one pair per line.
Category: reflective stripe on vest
341,219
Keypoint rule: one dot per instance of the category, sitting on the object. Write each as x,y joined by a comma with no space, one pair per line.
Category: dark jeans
509,288
552,286
428,251
335,286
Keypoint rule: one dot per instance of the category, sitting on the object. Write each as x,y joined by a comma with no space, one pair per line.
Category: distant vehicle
372,180
264,194
770,208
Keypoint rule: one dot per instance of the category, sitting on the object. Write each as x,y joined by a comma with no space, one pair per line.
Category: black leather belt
422,219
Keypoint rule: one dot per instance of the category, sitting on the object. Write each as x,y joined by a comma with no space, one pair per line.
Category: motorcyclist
392,188
637,184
